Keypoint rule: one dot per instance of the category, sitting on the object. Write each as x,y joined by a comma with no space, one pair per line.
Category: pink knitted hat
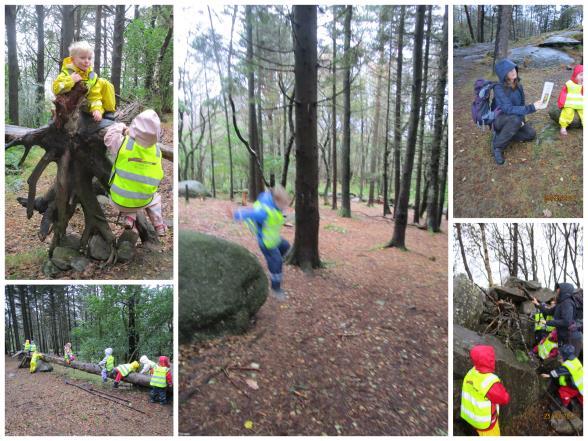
145,128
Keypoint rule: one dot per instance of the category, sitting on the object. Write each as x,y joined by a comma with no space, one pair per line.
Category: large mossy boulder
468,302
555,112
221,286
520,378
195,189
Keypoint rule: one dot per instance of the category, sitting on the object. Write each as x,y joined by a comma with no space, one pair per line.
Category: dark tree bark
13,70
397,117
514,270
469,23
531,234
255,179
53,314
40,9
443,176
432,205
158,71
225,106
502,32
26,325
117,46
150,65
98,41
401,215
346,147
305,252
462,251
334,110
422,120
133,335
67,31
210,143
481,23
485,255
10,294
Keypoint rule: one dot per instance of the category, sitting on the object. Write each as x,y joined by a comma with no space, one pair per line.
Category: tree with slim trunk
67,31
462,251
481,23
514,269
334,110
432,204
401,215
10,294
502,33
485,254
117,46
13,70
98,40
346,148
397,116
255,180
40,89
305,252
469,23
422,121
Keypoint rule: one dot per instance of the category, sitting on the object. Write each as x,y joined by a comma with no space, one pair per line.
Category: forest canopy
131,319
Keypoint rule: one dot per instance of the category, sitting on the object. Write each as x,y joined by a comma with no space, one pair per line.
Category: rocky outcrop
468,302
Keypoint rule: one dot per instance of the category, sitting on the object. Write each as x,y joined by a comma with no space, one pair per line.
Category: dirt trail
360,348
42,404
542,178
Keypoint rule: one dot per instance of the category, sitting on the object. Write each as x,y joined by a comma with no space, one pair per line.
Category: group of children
161,376
137,161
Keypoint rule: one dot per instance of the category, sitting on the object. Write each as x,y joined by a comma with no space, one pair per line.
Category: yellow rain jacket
100,91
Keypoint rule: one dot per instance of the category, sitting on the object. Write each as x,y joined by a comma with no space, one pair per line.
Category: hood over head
164,361
143,359
503,67
565,291
145,128
483,358
567,352
266,198
577,70
108,352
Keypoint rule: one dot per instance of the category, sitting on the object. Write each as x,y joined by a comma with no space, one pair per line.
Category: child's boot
277,290
115,385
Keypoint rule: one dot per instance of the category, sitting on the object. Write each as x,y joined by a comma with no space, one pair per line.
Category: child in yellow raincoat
571,99
34,358
78,67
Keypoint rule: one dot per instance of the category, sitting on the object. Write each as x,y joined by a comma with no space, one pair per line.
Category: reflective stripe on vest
574,97
136,174
124,369
90,82
577,372
158,379
270,230
27,346
549,328
544,348
537,318
476,409
109,363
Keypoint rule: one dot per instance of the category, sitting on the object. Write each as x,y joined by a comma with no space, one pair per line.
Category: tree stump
75,143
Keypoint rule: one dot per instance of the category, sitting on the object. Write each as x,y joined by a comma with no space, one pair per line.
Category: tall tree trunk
255,181
502,32
98,40
13,70
531,233
486,256
225,107
422,120
401,215
443,176
67,31
117,46
40,9
158,71
210,143
481,23
377,110
462,251
514,271
28,334
10,294
150,66
133,335
397,114
305,252
469,23
334,111
437,132
346,148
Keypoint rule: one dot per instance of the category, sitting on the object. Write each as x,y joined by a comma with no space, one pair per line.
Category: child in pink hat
141,136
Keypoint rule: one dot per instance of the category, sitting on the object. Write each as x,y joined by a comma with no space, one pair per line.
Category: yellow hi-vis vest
109,363
545,348
576,371
92,77
158,378
574,97
476,409
136,174
537,318
33,347
124,369
270,230
27,347
547,327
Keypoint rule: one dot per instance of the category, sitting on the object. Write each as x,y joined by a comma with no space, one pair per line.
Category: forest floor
25,254
542,178
359,348
41,404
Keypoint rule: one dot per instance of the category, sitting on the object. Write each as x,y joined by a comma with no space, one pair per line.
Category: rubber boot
115,385
498,157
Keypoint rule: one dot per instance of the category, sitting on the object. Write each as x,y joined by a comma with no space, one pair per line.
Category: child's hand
76,77
125,131
545,375
97,115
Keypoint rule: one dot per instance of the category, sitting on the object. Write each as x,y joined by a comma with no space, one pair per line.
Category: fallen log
118,400
133,378
12,132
